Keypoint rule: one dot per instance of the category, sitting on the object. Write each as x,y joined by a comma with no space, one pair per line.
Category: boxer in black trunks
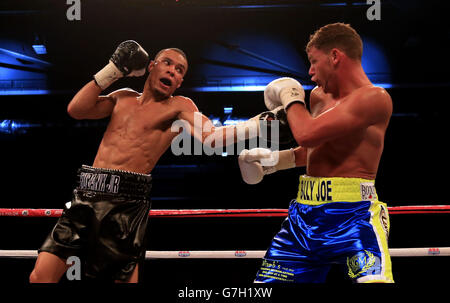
107,218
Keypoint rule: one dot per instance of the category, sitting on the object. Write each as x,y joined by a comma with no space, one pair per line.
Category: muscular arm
368,107
203,129
300,156
88,104
200,126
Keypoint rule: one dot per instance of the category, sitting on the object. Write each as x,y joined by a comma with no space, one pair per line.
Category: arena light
23,92
384,85
233,121
40,49
228,110
12,127
237,88
334,4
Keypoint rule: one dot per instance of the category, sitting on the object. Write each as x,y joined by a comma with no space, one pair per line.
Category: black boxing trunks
105,224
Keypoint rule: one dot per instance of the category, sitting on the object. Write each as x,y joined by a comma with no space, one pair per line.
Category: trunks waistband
318,190
113,181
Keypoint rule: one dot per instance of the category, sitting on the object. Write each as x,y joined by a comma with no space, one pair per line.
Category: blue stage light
8,126
237,88
227,110
40,49
16,127
20,92
233,121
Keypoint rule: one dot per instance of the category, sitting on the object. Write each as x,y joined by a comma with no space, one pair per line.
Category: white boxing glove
128,60
257,162
283,91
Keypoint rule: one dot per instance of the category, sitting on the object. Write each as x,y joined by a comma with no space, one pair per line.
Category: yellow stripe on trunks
317,190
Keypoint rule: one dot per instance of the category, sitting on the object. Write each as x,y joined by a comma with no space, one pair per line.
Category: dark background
227,44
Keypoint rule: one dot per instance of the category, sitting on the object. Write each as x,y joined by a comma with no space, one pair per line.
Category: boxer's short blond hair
337,35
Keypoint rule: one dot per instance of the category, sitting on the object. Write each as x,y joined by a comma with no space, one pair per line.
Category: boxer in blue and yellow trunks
332,221
336,217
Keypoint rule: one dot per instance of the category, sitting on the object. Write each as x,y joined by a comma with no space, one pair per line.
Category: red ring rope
195,213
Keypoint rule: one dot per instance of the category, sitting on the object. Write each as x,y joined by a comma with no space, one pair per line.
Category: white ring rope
232,254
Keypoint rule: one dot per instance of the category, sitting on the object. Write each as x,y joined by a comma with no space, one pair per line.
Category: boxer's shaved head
173,49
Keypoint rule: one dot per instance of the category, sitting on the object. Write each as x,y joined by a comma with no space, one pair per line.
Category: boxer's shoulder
127,92
124,93
183,103
372,97
370,93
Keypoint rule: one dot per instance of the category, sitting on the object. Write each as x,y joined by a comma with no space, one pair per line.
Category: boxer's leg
134,278
291,256
49,268
372,263
65,240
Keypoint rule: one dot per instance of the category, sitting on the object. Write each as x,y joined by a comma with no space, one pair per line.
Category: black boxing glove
129,60
267,119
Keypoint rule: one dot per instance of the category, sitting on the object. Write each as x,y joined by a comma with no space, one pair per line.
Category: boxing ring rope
236,254
196,213
229,254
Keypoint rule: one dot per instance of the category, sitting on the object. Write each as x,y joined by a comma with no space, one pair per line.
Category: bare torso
355,155
137,134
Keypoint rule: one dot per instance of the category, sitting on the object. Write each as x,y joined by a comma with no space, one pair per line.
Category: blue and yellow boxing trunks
332,221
